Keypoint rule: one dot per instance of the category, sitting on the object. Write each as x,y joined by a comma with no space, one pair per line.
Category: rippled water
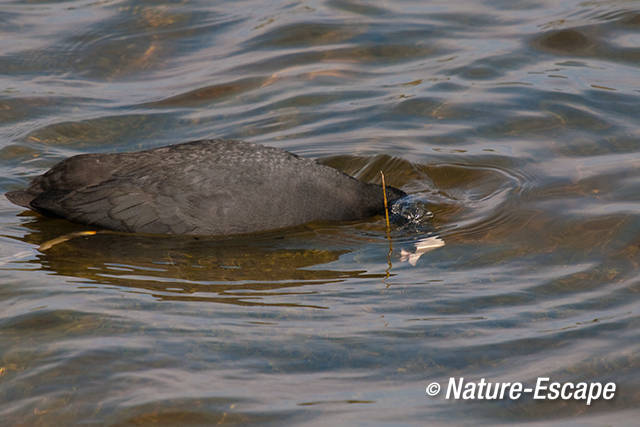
516,120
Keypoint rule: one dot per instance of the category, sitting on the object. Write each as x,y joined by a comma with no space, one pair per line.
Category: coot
208,187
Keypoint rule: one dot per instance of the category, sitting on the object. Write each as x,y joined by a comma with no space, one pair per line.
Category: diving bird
207,187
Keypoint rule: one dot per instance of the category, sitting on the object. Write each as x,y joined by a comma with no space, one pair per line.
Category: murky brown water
517,120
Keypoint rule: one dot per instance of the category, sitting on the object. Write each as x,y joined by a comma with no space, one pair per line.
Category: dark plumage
211,187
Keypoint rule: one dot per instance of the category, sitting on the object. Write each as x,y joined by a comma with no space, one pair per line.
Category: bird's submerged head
411,211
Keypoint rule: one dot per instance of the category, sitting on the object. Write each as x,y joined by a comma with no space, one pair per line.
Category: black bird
209,187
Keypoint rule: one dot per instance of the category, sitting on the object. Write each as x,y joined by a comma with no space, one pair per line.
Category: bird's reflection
251,270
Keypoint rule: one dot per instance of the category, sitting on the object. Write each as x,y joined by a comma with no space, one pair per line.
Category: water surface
516,120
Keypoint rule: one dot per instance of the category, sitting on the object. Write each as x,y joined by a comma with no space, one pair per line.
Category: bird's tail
20,198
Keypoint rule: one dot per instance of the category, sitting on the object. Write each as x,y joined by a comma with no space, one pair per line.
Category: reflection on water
243,271
513,123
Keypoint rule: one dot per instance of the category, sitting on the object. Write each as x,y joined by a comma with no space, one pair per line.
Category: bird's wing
118,205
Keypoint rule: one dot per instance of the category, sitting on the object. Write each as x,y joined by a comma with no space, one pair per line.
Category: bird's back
210,187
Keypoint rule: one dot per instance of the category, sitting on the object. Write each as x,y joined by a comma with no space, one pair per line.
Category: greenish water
517,120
